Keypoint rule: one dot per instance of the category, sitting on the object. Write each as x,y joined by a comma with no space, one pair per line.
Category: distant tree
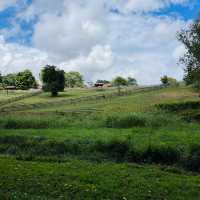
73,79
172,81
25,80
1,78
169,81
120,81
103,81
164,80
132,81
9,80
53,80
191,39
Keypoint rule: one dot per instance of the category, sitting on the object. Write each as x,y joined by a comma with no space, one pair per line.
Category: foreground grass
84,180
81,134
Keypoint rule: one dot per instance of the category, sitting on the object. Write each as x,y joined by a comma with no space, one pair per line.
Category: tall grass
137,120
30,148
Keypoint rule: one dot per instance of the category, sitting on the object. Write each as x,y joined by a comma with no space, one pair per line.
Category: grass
70,151
4,95
77,179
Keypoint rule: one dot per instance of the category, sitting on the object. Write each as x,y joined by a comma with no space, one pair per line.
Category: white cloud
99,60
84,35
15,57
6,3
145,5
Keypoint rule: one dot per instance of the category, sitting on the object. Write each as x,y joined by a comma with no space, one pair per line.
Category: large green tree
191,39
21,80
132,81
25,80
53,79
9,80
73,79
120,81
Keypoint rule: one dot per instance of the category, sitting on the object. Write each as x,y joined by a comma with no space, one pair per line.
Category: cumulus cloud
99,60
15,57
6,3
145,5
85,35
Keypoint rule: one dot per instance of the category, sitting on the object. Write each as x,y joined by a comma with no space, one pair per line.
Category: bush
136,120
117,150
162,154
192,162
126,121
180,106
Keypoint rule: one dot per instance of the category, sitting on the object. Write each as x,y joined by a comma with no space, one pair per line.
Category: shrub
117,150
161,154
192,162
136,120
179,106
126,121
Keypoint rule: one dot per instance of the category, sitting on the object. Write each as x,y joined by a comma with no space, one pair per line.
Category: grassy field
89,150
4,95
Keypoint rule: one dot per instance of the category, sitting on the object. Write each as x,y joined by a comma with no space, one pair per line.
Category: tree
120,81
53,80
25,80
9,80
22,80
132,81
73,79
1,78
169,81
103,81
191,39
164,80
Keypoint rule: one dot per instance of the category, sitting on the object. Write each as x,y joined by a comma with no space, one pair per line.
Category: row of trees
22,80
120,81
54,80
25,80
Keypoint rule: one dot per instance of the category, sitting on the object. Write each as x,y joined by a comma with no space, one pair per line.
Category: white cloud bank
6,3
84,35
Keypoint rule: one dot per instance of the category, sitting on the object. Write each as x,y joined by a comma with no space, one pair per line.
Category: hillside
143,144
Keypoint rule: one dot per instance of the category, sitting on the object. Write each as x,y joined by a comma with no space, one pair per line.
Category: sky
99,38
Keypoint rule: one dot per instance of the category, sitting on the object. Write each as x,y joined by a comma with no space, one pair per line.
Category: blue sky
99,39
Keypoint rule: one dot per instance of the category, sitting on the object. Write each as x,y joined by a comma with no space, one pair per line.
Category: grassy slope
80,180
4,96
86,180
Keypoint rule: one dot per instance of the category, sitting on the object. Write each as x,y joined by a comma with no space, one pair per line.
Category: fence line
105,96
18,98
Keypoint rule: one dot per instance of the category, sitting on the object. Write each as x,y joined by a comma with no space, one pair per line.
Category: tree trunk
54,93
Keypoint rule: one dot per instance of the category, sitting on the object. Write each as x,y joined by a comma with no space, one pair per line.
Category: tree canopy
132,81
191,39
120,81
73,79
21,80
53,79
25,80
169,81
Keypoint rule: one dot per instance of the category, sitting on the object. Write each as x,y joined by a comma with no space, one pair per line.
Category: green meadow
142,145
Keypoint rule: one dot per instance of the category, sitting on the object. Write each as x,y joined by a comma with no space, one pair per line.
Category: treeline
25,80
55,80
22,80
